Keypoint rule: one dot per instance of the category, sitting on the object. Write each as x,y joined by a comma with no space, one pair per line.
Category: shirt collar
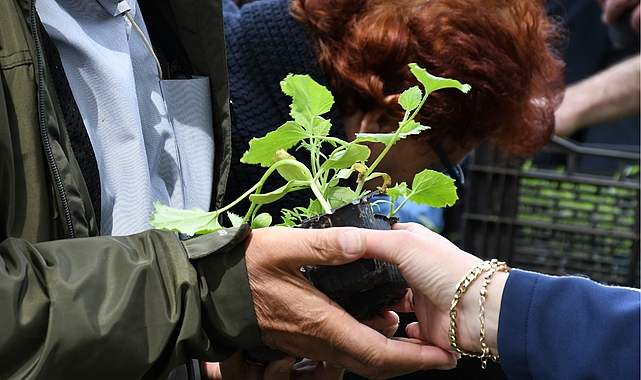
115,7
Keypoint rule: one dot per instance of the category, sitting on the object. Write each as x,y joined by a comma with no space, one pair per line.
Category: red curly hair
502,48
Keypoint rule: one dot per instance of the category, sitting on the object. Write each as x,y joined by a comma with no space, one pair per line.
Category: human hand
433,266
239,368
613,9
295,317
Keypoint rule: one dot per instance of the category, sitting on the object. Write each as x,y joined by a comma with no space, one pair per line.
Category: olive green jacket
77,305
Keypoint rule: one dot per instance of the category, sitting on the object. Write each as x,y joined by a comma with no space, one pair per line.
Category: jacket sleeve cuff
228,316
515,309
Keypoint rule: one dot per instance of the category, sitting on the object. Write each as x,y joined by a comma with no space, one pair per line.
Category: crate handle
594,151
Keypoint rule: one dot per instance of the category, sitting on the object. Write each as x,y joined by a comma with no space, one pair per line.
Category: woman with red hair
360,49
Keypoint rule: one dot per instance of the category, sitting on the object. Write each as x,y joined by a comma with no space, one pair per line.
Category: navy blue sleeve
568,328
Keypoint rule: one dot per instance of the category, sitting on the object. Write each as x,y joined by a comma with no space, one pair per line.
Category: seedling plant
310,131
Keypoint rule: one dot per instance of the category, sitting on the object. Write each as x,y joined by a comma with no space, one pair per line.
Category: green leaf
191,222
314,208
261,150
287,221
289,217
289,168
433,189
275,195
383,138
410,98
261,221
309,99
295,216
433,83
400,190
345,158
344,173
409,128
338,196
236,220
320,127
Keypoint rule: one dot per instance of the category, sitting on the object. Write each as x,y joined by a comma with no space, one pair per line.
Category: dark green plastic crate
554,213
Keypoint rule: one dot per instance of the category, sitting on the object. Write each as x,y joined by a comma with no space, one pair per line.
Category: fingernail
453,364
351,242
389,331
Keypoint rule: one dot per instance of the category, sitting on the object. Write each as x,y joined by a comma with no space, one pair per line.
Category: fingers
280,369
635,19
235,368
386,319
413,330
328,371
297,247
238,368
386,245
298,319
406,304
210,371
425,258
336,337
315,370
306,369
386,323
613,9
412,227
368,353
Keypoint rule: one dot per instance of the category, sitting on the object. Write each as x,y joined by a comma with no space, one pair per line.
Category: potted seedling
366,287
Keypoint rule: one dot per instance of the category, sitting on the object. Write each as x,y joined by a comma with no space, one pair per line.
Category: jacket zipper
43,126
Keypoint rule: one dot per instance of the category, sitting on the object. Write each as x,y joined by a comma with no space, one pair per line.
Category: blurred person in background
601,51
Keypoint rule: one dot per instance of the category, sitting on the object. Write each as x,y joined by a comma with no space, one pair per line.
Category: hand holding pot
297,318
288,368
433,266
551,327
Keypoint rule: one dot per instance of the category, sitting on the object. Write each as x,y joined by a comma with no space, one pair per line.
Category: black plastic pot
364,288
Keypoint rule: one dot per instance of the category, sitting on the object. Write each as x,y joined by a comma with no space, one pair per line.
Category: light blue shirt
116,84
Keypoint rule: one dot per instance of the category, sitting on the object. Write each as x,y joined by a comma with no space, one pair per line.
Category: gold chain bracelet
490,266
496,266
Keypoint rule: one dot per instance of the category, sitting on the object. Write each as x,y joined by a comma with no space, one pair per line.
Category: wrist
475,309
493,309
467,318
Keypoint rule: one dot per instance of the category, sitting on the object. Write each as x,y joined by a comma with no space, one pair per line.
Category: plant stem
394,210
380,157
258,186
370,169
319,195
